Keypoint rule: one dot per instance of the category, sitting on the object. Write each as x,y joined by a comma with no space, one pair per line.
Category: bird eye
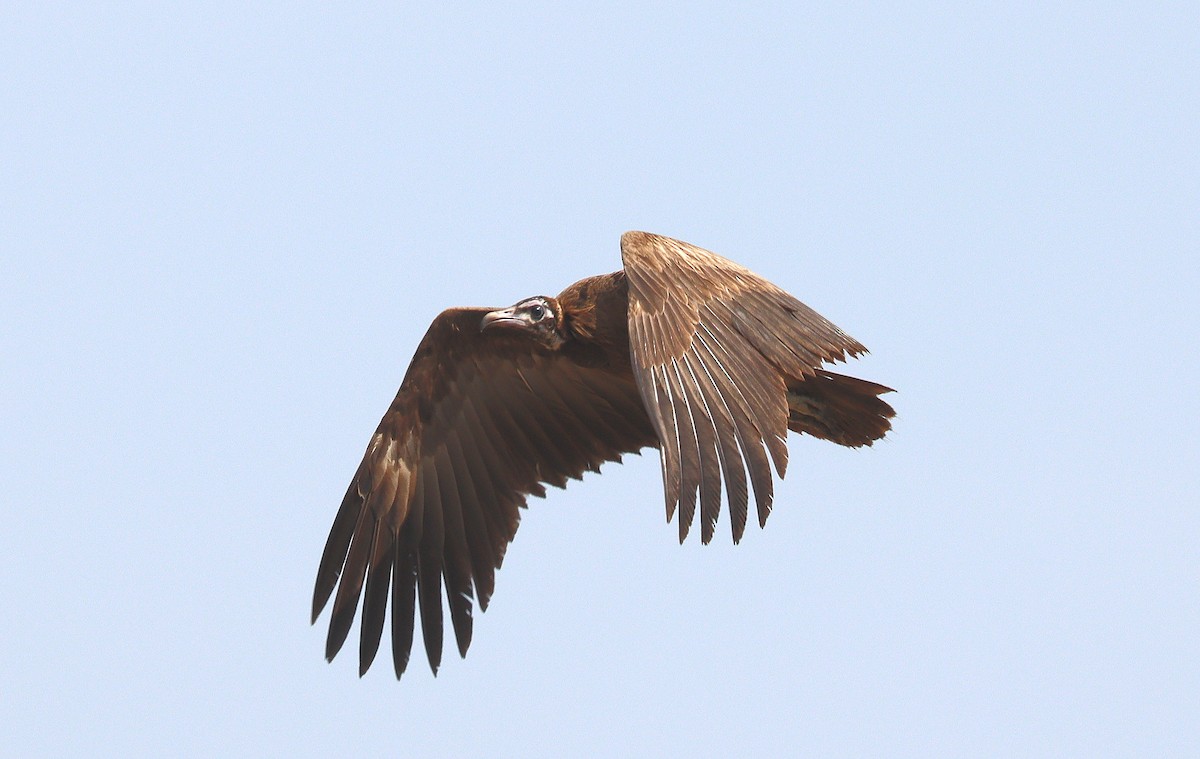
537,312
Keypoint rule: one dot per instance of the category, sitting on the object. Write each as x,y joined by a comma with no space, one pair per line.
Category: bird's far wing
480,422
714,347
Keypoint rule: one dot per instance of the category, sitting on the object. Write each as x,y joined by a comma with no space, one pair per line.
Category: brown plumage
682,350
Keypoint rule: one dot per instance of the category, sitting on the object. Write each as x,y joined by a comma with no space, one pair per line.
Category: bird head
541,318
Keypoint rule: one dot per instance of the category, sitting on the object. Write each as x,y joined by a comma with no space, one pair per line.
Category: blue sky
226,226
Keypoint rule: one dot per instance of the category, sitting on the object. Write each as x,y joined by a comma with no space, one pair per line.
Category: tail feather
845,410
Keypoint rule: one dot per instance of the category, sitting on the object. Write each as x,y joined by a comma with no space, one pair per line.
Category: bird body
681,350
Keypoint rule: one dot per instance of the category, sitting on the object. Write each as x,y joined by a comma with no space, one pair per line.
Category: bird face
538,317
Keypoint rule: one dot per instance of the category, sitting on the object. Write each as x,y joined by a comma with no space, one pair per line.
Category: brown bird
682,350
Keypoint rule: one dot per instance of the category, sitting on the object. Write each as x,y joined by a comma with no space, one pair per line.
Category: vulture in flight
681,350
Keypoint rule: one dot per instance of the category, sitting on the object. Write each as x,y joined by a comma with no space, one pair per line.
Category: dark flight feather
682,350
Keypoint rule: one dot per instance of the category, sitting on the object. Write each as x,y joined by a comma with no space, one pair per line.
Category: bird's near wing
723,359
480,421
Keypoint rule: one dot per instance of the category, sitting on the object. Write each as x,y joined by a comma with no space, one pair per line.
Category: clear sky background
224,227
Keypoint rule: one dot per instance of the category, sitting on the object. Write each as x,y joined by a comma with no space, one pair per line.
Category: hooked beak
505,317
